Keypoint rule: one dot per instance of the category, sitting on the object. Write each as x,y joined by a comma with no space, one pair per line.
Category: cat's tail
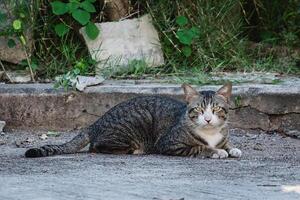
77,143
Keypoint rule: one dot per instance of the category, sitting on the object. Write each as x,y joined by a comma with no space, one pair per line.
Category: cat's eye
217,108
199,109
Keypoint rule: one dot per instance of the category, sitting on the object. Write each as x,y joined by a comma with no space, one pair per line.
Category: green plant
13,26
134,69
197,36
221,42
58,55
67,80
208,31
238,101
186,35
80,10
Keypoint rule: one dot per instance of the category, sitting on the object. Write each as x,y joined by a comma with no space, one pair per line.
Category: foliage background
239,35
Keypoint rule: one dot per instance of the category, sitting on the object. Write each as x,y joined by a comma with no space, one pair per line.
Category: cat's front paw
220,153
235,153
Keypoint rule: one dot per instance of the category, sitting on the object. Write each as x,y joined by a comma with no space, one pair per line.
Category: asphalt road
269,169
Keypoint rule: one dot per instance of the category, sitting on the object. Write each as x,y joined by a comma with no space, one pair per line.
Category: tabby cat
158,125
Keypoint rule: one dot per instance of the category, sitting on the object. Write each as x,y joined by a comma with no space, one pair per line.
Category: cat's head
207,109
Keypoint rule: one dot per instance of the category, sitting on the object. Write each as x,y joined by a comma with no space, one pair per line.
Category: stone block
120,43
248,118
18,76
289,124
39,106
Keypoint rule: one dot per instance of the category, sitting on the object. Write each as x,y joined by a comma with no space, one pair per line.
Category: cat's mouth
206,126
209,126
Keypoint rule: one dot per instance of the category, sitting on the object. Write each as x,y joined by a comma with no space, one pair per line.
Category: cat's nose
208,120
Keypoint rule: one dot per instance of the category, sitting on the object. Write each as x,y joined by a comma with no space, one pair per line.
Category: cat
158,125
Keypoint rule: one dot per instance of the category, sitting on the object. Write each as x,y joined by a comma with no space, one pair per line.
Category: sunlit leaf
92,30
82,16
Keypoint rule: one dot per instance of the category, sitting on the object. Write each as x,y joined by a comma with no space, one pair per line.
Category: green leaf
82,16
185,36
23,40
91,1
3,17
92,30
181,20
11,43
23,62
61,29
187,51
72,6
88,6
268,36
59,8
22,15
195,31
17,24
76,71
34,66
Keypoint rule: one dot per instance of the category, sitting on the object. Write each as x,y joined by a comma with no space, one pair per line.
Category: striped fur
158,125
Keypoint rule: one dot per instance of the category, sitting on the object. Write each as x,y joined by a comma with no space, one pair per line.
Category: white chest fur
211,136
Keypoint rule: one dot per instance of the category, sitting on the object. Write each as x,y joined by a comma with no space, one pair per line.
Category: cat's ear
225,91
189,92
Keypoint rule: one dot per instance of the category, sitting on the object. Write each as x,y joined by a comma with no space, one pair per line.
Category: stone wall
39,106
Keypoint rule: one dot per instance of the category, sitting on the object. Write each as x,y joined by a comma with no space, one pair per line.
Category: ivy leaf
92,30
11,43
72,6
17,24
181,20
59,8
187,51
61,29
185,37
88,6
82,16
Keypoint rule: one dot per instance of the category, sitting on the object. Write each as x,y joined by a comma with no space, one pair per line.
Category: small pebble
251,136
24,143
2,142
53,134
43,136
258,147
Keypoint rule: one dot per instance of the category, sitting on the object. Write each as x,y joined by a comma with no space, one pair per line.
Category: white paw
235,152
220,154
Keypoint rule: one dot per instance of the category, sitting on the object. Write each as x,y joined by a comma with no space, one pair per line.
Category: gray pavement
269,168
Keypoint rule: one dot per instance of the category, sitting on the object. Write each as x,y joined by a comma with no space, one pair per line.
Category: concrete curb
40,107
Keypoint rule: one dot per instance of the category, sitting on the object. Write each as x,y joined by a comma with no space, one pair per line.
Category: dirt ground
268,169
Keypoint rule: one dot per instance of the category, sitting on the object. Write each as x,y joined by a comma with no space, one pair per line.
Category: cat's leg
180,149
111,147
233,152
180,142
